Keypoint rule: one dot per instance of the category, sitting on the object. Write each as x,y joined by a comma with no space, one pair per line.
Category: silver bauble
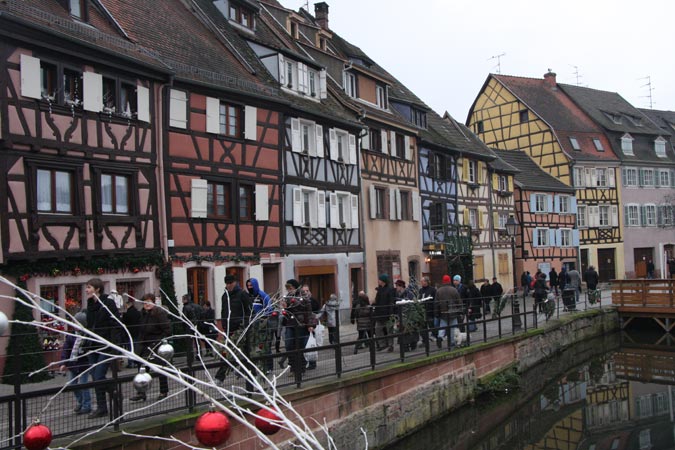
165,351
142,381
4,323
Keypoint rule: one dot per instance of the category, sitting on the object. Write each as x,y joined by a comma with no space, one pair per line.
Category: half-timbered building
647,162
320,224
545,209
536,116
79,137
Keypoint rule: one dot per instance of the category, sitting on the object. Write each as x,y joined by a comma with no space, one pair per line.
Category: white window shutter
551,238
302,77
334,215
557,242
589,179
615,216
354,202
178,109
352,149
319,141
610,177
535,238
321,209
296,144
262,202
594,216
251,123
212,115
549,203
92,86
416,206
575,238
533,203
408,150
30,77
397,196
373,201
385,144
198,198
143,102
282,70
594,178
392,204
298,220
333,144
392,144
365,142
573,205
556,204
323,91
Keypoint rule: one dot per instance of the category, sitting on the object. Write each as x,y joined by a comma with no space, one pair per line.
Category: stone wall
390,403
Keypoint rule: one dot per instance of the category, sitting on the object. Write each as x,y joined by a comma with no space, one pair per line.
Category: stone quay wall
390,403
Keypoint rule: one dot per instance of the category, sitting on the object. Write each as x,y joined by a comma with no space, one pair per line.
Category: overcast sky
442,49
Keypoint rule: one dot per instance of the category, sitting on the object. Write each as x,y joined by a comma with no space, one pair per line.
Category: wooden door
198,286
478,268
606,264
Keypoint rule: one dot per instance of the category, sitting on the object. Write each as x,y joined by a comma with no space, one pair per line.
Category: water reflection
618,395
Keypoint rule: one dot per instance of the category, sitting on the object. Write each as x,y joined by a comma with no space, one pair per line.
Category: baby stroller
569,299
593,296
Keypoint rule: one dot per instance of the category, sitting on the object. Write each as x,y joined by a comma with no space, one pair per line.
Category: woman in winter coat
540,292
362,315
329,313
472,304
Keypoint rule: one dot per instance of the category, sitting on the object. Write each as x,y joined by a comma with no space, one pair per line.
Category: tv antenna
577,75
499,61
650,89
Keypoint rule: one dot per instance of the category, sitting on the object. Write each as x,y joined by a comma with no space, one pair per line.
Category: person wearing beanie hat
446,279
448,310
385,298
299,322
76,362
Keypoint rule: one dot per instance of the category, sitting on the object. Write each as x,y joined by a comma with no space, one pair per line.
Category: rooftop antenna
650,89
577,75
499,61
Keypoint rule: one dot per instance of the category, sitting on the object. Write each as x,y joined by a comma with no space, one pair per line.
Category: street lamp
512,231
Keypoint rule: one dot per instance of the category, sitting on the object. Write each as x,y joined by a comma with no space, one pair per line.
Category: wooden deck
654,299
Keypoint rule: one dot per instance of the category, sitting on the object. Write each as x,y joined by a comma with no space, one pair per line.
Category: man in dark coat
131,320
553,280
486,295
385,298
591,276
429,292
299,321
236,306
448,309
497,291
671,267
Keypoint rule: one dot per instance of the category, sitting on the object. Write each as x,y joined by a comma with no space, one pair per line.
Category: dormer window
301,78
322,43
614,118
241,15
293,30
660,147
381,94
350,84
419,117
575,143
627,144
78,9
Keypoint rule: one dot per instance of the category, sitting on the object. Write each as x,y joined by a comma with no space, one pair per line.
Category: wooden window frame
406,209
212,203
375,136
380,203
53,209
226,125
114,198
400,146
246,202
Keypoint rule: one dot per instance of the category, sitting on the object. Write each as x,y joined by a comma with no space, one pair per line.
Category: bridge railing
644,293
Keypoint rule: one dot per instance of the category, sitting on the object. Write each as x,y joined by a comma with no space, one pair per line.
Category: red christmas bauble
266,422
212,428
37,437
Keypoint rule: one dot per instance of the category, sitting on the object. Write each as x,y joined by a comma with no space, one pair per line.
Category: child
74,359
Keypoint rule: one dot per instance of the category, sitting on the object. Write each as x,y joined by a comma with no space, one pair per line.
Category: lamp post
512,231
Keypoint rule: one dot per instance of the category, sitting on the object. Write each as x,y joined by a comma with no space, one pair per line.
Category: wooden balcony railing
644,293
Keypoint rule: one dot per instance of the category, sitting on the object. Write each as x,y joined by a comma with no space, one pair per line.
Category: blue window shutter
533,203
556,204
573,205
625,215
558,238
575,238
549,203
535,235
552,238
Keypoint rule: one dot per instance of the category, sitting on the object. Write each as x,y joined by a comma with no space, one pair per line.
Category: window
109,95
601,177
219,200
523,116
565,238
541,237
480,127
294,30
666,215
72,88
342,147
307,136
502,219
630,177
290,73
311,74
419,117
627,144
582,221
603,216
350,84
436,215
660,147
575,143
503,263
48,80
598,145
381,95
664,178
400,146
565,204
438,167
650,215
343,209
579,177
128,100
114,194
78,9
405,205
54,191
230,120
473,218
241,15
473,172
322,43
632,215
245,202
540,203
503,183
379,203
648,177
375,137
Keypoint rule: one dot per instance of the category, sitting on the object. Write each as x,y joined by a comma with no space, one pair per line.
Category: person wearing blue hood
262,315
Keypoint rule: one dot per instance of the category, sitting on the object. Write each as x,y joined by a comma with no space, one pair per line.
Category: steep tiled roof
666,121
468,143
562,114
530,175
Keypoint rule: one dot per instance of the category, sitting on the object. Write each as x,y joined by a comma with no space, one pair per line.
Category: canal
610,393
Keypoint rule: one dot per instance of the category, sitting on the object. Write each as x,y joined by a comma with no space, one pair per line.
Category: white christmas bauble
165,351
4,323
142,381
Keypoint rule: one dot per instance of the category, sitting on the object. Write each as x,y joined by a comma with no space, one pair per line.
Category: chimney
321,14
549,79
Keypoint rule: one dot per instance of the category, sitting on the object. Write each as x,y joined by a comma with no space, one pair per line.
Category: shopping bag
318,334
311,343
